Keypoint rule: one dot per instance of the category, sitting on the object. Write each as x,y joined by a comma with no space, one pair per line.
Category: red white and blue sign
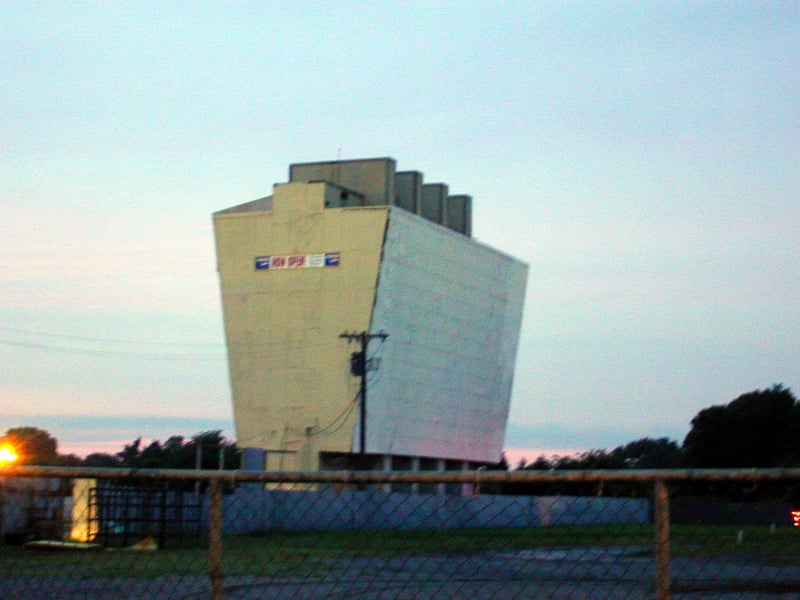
297,261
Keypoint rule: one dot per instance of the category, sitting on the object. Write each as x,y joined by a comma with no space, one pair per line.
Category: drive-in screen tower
351,254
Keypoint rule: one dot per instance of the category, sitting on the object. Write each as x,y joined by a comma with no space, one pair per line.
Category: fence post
215,540
662,540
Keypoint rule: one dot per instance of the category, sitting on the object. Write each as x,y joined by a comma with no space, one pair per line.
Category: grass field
303,553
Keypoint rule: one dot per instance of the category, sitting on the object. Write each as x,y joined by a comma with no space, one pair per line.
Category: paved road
577,573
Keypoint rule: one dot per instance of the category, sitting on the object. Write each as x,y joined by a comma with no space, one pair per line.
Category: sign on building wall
298,261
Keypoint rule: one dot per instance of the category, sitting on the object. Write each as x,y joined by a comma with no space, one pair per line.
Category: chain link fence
114,533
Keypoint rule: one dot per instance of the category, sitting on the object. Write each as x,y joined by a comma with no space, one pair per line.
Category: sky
642,158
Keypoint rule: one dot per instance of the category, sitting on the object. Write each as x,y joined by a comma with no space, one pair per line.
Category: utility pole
359,367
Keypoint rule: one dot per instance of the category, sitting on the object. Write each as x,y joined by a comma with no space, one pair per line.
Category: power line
106,340
342,416
118,353
234,349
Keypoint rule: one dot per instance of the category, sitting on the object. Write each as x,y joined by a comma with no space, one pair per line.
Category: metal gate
122,516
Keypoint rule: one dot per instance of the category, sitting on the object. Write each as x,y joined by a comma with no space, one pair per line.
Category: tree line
759,429
207,449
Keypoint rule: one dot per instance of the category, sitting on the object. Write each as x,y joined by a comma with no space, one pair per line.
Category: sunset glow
7,455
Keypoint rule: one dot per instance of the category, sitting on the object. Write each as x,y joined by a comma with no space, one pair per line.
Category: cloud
557,438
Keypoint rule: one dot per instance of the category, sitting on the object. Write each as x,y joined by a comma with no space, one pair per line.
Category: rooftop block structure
347,249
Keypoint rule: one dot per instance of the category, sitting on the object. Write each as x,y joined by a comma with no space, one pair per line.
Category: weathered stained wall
371,177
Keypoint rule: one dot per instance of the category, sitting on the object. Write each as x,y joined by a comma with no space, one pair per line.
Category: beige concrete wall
289,369
372,177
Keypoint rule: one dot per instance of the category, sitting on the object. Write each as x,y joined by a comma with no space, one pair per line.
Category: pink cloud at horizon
515,455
